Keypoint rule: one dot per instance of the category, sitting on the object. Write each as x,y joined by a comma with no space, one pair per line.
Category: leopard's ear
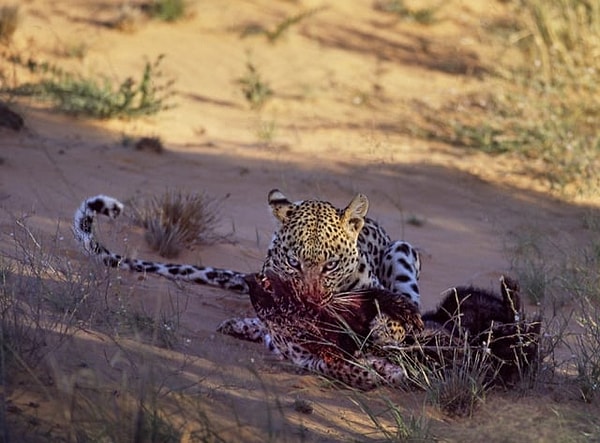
353,217
281,206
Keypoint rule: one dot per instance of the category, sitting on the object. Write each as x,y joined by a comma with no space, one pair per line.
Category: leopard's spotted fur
338,250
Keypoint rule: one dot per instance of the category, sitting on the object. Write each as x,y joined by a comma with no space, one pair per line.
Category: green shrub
167,10
97,97
255,89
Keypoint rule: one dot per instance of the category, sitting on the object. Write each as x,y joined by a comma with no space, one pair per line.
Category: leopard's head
315,243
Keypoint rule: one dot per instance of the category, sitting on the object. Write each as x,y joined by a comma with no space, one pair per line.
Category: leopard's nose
312,274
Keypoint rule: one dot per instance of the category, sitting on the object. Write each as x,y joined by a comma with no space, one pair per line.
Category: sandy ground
341,79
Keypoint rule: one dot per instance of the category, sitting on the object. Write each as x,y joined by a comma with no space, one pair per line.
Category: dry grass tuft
175,220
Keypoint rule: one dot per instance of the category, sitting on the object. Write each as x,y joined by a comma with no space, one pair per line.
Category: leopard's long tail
83,229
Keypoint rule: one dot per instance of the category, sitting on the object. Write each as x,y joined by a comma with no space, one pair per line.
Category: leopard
315,243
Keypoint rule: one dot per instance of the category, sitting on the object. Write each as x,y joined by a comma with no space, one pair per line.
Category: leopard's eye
331,265
293,262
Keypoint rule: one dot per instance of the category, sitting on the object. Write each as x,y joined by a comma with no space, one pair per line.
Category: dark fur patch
187,270
403,278
403,248
86,224
97,206
476,309
406,265
481,316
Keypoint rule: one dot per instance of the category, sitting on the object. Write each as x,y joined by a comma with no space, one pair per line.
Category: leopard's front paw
250,329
